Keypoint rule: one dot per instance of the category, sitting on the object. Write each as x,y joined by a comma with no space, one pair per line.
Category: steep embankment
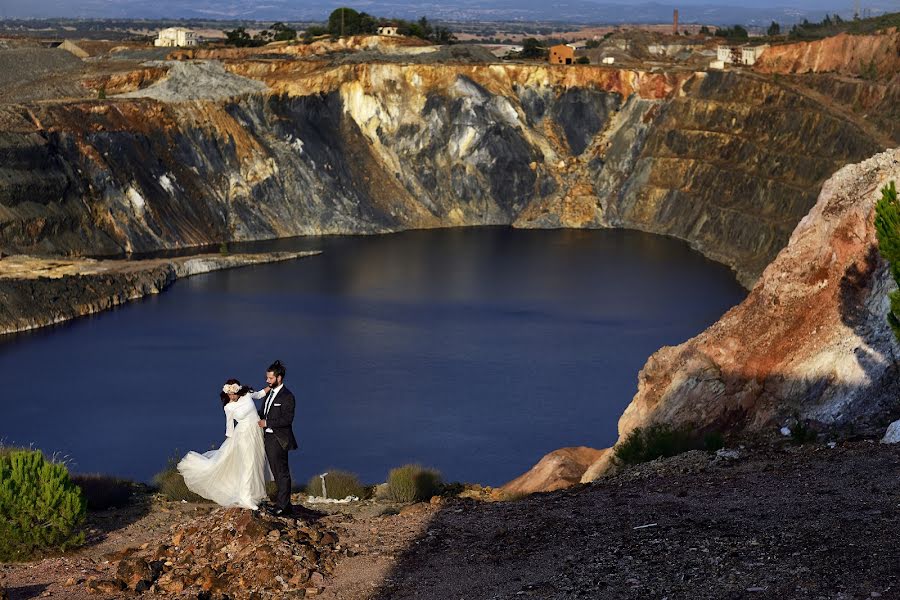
811,339
876,56
727,161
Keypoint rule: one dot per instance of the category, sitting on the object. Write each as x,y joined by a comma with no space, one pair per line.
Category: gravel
196,80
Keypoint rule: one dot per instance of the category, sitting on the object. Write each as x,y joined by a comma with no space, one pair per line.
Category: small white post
324,491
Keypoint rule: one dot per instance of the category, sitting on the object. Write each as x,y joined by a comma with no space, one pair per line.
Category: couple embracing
235,474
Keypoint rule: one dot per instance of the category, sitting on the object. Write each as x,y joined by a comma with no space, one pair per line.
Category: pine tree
887,229
41,507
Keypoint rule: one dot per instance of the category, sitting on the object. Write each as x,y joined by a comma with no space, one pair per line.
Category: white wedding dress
234,474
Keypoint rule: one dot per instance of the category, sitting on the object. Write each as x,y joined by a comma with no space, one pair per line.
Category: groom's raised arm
285,416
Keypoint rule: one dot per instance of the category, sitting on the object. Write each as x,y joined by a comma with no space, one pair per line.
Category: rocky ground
772,522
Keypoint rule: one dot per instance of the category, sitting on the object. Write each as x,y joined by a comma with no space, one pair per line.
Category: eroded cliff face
843,53
728,161
811,341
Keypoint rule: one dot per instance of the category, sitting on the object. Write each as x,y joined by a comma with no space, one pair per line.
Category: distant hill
574,11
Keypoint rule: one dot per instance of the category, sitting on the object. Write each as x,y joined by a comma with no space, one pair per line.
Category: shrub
801,432
41,507
411,483
171,484
338,485
582,60
102,491
887,229
644,444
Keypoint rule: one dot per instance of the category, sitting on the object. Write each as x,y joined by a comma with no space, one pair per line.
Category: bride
235,473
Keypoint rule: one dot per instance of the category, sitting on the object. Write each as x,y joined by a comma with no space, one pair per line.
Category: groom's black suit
280,441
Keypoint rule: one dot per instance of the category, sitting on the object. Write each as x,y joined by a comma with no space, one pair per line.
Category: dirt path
811,522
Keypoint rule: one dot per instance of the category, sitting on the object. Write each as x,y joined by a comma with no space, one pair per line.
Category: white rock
892,435
724,454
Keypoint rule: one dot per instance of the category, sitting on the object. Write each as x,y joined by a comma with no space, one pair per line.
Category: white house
750,54
390,30
176,36
581,45
608,60
741,55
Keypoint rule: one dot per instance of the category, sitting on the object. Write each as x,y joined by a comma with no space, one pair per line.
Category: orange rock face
811,341
559,469
846,54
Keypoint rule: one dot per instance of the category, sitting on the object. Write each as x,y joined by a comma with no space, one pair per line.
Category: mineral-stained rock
559,469
728,161
811,341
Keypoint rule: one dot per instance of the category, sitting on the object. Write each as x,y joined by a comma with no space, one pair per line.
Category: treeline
347,21
342,22
834,24
277,33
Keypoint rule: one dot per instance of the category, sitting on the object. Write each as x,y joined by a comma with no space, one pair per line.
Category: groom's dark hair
277,369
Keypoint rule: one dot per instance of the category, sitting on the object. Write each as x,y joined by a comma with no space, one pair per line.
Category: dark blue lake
475,351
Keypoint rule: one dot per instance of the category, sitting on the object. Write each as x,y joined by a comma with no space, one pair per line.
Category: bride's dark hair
244,390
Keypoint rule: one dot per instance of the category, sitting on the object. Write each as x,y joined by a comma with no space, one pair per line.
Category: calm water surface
475,351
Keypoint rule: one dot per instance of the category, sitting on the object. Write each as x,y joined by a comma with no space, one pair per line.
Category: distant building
389,30
176,37
719,65
577,45
562,55
740,55
608,60
750,54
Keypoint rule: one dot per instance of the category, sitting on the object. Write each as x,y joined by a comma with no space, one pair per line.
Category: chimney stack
675,22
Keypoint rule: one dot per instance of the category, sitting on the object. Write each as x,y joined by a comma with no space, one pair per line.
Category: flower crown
231,388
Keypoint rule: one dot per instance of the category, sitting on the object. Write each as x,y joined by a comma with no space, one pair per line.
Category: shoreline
39,292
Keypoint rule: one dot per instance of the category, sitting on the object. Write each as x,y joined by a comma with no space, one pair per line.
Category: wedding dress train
234,474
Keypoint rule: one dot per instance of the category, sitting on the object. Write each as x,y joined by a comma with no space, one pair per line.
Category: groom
276,418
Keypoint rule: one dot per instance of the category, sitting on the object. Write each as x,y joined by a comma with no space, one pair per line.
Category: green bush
338,485
170,484
102,491
412,483
887,229
40,506
644,444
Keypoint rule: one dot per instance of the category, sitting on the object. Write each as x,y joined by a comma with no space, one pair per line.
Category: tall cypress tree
887,229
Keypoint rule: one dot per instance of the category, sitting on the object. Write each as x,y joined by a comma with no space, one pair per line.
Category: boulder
892,435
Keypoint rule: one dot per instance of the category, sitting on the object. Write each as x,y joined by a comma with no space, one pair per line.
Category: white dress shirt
268,405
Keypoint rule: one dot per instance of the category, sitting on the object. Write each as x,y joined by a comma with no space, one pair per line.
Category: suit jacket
281,418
